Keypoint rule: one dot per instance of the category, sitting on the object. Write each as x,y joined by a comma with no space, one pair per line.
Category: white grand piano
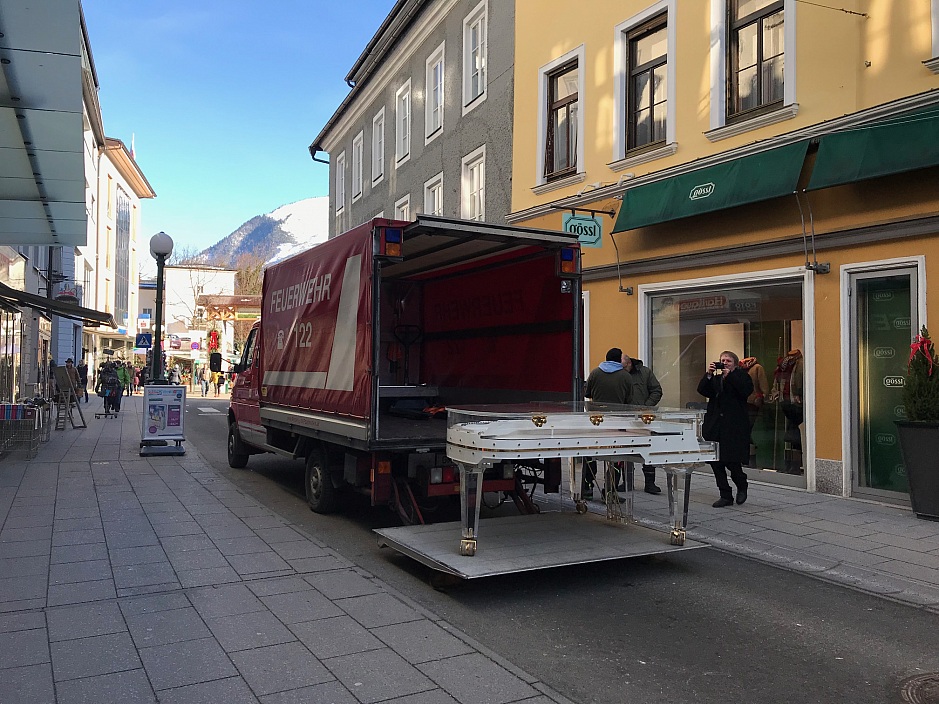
478,437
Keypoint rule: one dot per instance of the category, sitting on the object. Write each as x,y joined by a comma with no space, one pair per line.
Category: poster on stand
163,413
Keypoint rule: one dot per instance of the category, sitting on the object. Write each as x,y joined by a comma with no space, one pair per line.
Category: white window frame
403,204
719,39
358,151
933,63
468,163
378,147
432,61
621,81
403,124
435,183
544,74
479,14
340,182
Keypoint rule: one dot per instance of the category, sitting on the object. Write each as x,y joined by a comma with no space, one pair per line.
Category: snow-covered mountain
277,235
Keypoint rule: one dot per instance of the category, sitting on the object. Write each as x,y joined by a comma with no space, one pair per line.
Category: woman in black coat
726,387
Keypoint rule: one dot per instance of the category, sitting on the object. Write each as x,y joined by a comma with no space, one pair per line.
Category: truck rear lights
569,261
390,241
443,475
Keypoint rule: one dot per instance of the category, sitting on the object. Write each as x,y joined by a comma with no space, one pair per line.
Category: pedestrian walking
82,368
727,386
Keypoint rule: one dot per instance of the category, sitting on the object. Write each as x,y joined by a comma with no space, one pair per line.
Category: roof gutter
378,46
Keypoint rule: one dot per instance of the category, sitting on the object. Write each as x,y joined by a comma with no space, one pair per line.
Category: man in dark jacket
727,387
608,383
646,391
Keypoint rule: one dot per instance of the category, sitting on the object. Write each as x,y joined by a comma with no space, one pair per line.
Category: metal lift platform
515,544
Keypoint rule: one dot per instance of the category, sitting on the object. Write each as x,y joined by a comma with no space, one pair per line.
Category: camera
718,367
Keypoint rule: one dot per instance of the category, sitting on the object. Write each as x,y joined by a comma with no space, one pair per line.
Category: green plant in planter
921,392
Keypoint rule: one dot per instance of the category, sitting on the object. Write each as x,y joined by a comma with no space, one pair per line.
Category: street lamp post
161,247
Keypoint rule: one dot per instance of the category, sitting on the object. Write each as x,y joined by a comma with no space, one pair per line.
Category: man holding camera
727,387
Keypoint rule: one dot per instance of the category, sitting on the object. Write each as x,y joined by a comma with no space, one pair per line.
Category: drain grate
921,689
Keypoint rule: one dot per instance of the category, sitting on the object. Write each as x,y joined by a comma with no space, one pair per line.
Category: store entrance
884,320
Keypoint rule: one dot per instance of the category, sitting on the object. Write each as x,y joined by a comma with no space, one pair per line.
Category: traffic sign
144,339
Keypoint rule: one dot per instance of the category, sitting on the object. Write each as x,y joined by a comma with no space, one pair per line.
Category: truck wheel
320,492
237,457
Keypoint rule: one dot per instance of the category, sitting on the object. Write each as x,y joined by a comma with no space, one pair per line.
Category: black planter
919,442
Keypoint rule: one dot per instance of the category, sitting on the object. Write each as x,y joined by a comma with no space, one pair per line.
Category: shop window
762,324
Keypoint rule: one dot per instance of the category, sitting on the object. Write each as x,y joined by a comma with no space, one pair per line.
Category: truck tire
237,457
320,492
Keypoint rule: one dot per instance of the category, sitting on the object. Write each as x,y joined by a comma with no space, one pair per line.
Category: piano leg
678,482
471,495
576,471
630,470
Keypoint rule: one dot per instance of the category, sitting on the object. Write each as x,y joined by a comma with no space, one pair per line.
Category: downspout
314,149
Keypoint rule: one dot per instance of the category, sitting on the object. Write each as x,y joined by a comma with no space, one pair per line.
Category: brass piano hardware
647,417
596,420
539,420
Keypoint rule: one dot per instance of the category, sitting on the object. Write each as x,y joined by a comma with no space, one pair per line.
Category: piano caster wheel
581,506
467,548
677,537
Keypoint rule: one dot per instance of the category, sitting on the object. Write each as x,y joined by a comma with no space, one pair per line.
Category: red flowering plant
921,391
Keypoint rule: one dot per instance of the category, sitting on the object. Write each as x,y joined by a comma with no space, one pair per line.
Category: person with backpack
110,388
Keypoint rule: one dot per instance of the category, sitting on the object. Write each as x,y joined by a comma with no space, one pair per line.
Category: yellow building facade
764,175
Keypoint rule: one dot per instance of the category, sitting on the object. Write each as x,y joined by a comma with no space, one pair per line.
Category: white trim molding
478,13
621,78
475,157
578,53
933,63
437,56
378,147
403,122
719,39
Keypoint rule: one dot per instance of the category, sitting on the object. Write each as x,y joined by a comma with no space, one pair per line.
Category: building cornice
760,251
124,163
370,85
616,190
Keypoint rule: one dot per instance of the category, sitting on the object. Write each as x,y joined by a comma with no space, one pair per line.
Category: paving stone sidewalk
125,579
877,548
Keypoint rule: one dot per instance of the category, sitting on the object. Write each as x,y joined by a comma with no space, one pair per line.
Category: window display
762,324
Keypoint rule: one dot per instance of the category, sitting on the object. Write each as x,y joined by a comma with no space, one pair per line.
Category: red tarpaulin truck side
365,339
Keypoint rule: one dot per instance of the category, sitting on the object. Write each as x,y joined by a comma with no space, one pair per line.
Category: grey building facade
427,126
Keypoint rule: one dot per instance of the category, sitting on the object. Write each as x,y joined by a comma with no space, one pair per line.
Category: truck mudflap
525,543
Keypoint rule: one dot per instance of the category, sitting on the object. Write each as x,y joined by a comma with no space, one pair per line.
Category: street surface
697,626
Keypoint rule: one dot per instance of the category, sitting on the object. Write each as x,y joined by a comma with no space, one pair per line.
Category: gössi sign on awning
588,229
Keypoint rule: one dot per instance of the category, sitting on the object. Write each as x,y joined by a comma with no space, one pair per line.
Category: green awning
902,143
748,179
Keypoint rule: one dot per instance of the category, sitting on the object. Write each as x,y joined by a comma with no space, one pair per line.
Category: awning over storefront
748,179
90,318
891,146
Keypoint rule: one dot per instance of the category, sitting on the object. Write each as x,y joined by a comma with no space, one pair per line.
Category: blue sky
223,98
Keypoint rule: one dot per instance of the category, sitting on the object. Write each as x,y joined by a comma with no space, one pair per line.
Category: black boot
649,474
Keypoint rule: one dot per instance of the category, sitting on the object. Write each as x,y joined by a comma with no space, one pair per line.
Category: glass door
884,322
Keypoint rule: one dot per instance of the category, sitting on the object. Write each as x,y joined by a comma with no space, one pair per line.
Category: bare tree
250,274
248,281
